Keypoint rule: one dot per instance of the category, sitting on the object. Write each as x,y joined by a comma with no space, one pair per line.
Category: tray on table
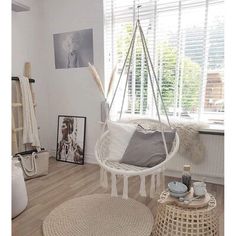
166,198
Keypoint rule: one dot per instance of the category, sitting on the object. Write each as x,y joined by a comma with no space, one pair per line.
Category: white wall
27,28
73,91
60,91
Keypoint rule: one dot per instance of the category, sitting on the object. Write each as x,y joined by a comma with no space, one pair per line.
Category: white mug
199,188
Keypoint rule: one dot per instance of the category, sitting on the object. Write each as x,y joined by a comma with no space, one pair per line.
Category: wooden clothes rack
17,116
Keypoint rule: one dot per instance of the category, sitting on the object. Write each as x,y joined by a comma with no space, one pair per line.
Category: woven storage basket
172,220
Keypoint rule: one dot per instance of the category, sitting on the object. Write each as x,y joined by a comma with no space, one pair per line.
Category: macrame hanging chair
102,145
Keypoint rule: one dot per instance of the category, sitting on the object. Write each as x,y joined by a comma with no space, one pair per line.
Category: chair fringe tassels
152,187
125,187
158,180
142,190
113,185
103,178
162,177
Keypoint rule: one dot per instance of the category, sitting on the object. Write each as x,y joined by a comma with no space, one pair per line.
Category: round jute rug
99,215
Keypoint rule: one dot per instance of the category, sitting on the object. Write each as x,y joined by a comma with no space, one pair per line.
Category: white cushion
120,135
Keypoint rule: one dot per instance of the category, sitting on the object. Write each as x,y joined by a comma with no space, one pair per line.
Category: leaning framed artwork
71,139
73,49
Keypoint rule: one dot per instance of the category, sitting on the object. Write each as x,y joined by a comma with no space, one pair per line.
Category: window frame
205,53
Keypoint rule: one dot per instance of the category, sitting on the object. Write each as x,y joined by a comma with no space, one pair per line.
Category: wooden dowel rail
17,129
17,79
15,104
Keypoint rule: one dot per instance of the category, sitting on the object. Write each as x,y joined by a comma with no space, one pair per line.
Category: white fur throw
190,144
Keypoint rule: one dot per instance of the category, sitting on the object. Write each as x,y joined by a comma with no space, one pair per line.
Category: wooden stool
173,219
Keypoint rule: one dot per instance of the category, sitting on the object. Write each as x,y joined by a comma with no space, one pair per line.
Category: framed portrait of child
71,139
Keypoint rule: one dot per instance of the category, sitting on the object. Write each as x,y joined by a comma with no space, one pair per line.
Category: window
186,41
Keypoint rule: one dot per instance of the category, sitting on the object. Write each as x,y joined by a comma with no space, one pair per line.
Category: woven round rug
99,215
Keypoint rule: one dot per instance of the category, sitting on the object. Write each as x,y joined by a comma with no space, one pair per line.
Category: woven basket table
173,220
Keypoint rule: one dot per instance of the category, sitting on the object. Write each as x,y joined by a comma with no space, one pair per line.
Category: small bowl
178,194
177,187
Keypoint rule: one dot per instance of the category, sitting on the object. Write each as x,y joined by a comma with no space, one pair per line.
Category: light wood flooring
66,181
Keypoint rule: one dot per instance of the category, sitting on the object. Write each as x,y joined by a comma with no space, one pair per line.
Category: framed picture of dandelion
73,49
71,139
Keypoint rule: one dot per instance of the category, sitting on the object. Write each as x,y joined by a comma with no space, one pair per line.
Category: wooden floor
66,181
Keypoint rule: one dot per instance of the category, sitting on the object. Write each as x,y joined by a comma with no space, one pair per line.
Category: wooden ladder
17,116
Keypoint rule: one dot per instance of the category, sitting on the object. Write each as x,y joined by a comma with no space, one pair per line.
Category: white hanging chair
102,146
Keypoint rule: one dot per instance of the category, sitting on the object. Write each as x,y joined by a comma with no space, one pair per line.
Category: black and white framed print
71,139
73,49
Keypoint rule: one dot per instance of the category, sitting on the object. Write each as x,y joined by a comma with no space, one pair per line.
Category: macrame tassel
152,187
142,190
113,185
125,187
162,178
103,178
158,180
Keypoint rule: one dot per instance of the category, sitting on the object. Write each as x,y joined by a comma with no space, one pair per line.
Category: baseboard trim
52,153
196,177
90,158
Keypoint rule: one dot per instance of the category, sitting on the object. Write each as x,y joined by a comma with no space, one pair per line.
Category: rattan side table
173,220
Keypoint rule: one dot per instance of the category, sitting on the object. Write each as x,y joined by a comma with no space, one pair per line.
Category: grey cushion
146,148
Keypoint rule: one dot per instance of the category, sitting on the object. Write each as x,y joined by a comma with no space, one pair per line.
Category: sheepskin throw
191,146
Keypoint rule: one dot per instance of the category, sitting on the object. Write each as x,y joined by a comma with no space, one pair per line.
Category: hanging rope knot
138,7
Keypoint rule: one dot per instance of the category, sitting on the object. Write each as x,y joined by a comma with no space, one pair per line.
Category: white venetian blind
186,42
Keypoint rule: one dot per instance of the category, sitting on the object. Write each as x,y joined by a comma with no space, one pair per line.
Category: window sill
213,130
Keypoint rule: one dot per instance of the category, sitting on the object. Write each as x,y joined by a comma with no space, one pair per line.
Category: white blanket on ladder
30,127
